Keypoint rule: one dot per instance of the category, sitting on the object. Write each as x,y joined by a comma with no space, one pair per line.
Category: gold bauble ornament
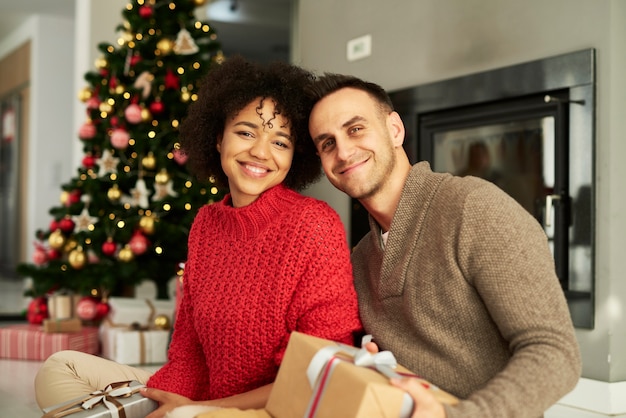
127,36
199,2
101,62
84,94
56,240
126,254
105,107
114,193
146,224
162,322
70,244
162,177
165,45
148,162
65,196
77,258
146,116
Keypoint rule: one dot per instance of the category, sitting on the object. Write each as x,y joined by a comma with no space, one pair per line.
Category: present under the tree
62,305
144,312
129,345
31,342
120,399
322,378
62,325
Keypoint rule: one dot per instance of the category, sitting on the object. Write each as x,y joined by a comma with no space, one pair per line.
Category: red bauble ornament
93,103
120,138
145,12
87,308
138,243
180,156
109,247
74,196
54,225
66,225
102,310
37,310
54,254
40,257
89,161
87,131
157,107
132,113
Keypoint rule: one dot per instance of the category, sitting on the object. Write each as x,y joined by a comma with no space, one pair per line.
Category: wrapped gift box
31,342
319,378
62,305
128,311
62,325
106,403
126,345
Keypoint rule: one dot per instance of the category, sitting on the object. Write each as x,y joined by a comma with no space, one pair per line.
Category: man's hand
426,406
167,401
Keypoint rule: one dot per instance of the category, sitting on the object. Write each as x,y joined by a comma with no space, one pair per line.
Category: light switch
360,47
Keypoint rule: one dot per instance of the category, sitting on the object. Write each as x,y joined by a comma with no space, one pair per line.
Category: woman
263,262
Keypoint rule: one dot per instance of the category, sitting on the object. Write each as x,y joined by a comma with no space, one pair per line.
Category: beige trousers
67,375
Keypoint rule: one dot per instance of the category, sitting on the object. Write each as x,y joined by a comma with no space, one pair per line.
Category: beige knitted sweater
465,295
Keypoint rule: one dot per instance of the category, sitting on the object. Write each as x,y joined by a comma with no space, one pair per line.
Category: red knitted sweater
253,275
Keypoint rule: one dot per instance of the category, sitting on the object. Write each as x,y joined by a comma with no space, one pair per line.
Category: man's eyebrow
320,137
346,124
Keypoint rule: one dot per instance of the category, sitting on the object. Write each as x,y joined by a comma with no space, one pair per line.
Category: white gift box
137,347
127,311
129,334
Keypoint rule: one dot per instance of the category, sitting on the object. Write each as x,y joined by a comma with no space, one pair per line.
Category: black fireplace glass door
521,146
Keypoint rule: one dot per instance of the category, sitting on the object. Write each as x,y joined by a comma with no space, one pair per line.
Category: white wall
421,41
96,21
51,96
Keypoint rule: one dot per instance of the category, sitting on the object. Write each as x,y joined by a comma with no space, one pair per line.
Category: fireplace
528,128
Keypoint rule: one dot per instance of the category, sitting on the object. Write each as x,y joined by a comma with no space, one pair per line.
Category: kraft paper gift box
126,345
62,305
31,342
62,325
120,399
319,378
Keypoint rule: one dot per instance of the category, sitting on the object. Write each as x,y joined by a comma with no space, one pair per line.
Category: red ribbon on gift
325,360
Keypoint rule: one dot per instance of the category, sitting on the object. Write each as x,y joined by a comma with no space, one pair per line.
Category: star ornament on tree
107,163
138,196
84,220
161,191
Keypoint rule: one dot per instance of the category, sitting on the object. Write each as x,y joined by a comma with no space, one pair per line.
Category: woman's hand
167,401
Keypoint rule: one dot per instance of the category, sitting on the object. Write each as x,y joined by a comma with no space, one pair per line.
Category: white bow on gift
325,360
105,395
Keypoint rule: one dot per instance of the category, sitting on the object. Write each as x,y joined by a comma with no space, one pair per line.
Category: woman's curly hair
225,91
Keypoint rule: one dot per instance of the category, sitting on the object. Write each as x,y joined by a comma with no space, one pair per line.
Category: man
454,277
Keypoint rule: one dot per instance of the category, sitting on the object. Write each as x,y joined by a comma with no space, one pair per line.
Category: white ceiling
257,29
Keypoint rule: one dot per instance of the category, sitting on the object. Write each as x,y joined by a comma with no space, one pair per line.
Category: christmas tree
126,215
